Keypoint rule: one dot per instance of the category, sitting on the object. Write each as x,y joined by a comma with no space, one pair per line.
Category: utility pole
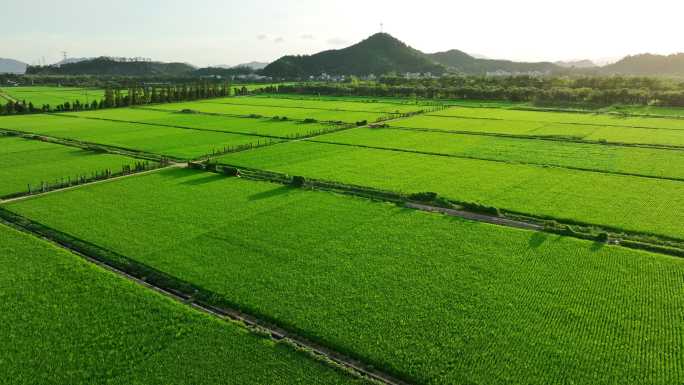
64,54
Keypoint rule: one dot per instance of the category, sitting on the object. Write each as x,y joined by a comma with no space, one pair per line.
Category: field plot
66,321
26,162
328,103
648,110
437,300
417,103
561,117
667,137
298,109
162,140
51,95
617,159
630,203
262,126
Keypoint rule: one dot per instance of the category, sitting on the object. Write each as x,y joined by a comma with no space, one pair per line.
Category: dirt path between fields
476,217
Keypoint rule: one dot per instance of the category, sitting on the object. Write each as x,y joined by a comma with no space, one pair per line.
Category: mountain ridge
12,66
379,54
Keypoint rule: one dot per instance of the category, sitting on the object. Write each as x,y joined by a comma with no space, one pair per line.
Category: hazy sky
211,32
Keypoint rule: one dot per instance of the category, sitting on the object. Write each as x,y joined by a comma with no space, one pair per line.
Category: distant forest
552,91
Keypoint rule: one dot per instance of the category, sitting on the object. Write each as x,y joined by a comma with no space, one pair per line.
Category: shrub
231,171
423,197
310,120
603,237
298,181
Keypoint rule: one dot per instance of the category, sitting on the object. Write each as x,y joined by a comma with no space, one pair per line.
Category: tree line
132,96
580,91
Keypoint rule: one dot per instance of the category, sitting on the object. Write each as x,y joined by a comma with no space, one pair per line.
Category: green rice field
433,299
52,96
26,162
587,197
330,103
66,321
465,297
216,106
561,117
612,159
261,126
162,140
587,132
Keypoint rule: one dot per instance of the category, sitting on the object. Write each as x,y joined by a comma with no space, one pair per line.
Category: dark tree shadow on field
204,180
270,193
537,239
596,246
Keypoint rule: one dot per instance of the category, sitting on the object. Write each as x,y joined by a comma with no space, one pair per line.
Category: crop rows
561,117
25,163
52,95
612,159
431,298
337,104
625,202
238,125
586,132
67,322
217,107
162,140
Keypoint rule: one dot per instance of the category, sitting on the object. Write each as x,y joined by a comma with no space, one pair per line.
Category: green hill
379,54
647,65
118,67
460,61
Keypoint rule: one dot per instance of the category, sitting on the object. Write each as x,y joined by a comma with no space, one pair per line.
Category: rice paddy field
238,125
66,321
161,140
551,130
561,117
321,110
436,300
26,162
428,298
50,95
660,163
587,197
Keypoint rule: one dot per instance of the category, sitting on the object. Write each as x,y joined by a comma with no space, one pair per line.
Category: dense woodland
558,91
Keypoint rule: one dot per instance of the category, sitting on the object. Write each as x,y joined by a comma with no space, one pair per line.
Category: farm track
224,313
551,122
100,181
550,138
476,217
599,171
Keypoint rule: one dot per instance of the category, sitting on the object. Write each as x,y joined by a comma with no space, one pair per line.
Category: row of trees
132,96
543,91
